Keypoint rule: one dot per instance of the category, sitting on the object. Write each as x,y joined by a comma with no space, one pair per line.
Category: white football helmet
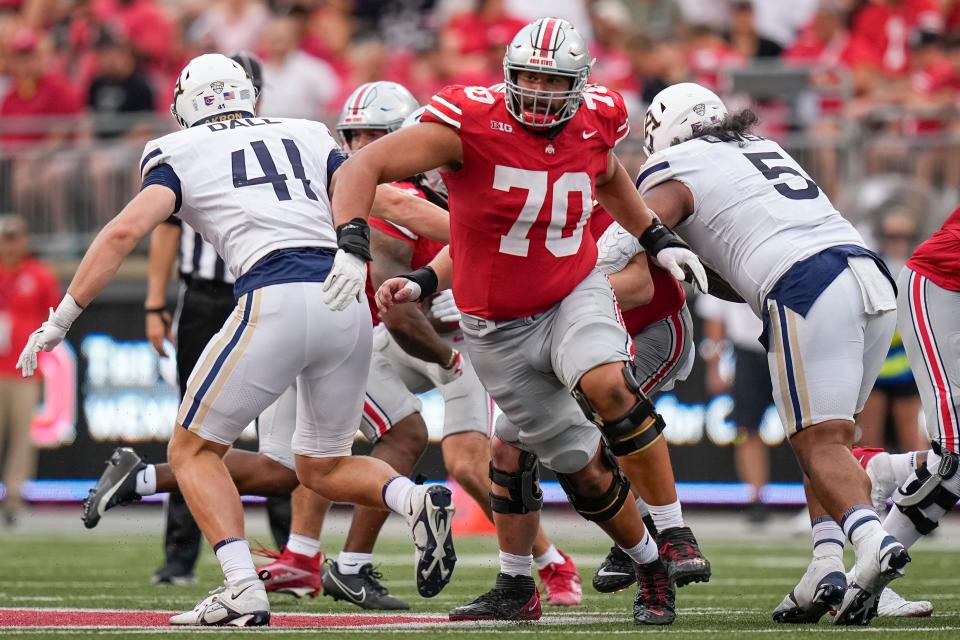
549,45
380,105
212,84
678,113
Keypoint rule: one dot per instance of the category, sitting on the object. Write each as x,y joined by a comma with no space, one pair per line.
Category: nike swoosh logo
587,136
356,596
603,573
234,596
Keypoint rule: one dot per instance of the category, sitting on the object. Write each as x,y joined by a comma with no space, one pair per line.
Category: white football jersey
251,186
756,212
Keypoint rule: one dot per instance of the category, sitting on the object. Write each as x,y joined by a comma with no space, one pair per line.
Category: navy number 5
270,174
772,172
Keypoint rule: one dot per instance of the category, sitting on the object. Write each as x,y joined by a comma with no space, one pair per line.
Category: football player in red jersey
523,166
928,302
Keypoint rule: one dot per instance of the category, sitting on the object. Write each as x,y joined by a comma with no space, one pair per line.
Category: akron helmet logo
700,109
217,86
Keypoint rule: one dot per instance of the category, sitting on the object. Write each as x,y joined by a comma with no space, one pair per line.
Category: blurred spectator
297,84
119,88
145,24
709,55
711,13
230,25
611,22
573,11
886,27
781,20
654,65
472,41
895,393
743,36
751,389
28,289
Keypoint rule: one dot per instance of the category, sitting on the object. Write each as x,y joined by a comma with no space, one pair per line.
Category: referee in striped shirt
205,301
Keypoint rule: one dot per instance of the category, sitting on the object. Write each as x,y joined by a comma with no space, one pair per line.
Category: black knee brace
523,486
604,507
632,432
927,490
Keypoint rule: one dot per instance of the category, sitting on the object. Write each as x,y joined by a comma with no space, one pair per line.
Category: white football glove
683,264
345,281
615,248
444,307
49,335
449,373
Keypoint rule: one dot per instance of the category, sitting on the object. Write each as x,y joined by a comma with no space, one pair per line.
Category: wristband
67,312
657,238
354,237
427,280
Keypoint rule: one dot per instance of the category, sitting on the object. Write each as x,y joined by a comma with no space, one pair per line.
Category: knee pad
635,430
523,486
927,489
604,507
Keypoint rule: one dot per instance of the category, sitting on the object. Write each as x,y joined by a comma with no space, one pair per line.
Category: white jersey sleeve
250,186
756,212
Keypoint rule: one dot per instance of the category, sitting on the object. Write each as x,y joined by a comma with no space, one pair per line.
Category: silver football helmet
432,178
553,46
378,105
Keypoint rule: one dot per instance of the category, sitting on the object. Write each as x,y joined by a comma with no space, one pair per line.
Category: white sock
349,562
827,538
550,556
645,552
642,506
859,524
903,465
514,565
147,481
235,559
667,516
396,494
303,545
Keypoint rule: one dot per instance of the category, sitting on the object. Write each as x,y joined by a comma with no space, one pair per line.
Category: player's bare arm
407,152
407,210
672,201
633,285
406,322
436,276
112,245
164,242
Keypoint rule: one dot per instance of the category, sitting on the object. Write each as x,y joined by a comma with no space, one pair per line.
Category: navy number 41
270,174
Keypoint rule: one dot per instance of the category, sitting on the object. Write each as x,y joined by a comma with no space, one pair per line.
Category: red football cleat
292,573
561,583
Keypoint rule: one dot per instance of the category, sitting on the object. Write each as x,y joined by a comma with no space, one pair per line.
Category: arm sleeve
334,159
164,175
446,107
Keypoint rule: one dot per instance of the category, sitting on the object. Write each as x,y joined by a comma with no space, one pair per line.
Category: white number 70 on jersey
535,183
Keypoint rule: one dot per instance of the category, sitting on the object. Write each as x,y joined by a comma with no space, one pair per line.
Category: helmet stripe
361,93
547,35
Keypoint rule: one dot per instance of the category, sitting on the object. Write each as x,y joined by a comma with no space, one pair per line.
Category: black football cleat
117,486
615,573
655,602
682,556
512,598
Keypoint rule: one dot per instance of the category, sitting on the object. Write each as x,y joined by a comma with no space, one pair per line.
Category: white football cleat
893,605
242,604
874,570
430,516
820,590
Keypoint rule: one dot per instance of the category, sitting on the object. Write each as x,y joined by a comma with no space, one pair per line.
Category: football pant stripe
782,391
803,391
677,339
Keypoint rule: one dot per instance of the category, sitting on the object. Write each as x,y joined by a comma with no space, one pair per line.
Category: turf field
68,572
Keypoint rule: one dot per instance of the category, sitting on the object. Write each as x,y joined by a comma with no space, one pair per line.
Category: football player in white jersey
258,190
829,310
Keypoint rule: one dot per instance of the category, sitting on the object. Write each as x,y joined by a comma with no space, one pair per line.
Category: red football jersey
939,257
424,249
520,203
668,295
27,292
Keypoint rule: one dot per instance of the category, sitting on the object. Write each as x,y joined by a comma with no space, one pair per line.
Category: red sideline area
119,618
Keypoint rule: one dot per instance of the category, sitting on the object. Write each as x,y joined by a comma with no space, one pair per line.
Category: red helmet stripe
361,94
547,33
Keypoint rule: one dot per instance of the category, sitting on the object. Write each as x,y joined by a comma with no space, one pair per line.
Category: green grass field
73,571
